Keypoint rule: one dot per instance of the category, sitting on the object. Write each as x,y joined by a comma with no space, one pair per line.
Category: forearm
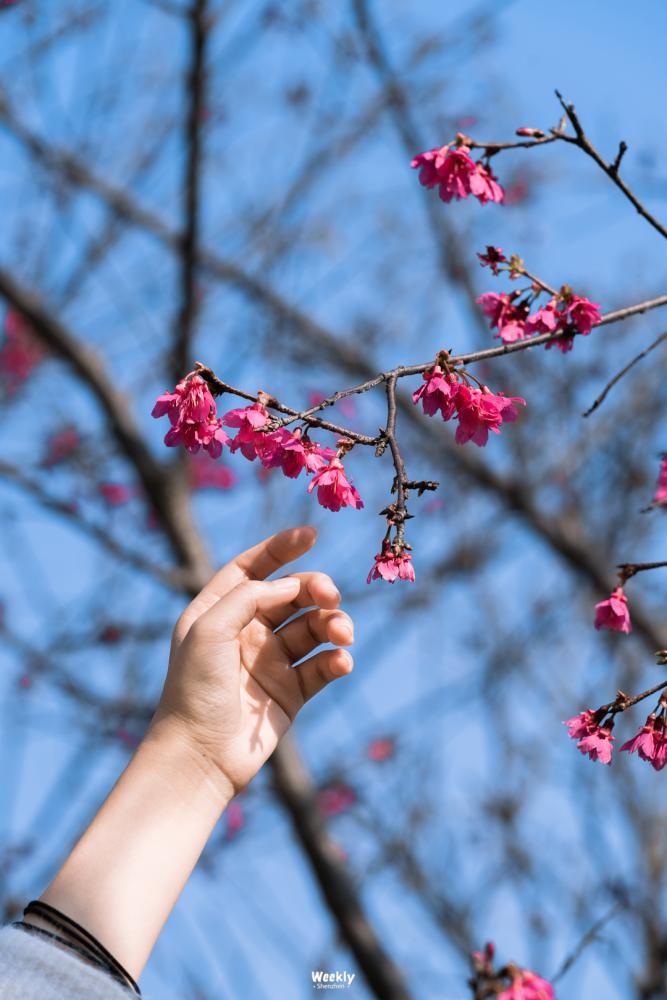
126,872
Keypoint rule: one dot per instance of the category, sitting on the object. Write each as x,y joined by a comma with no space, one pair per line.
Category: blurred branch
171,577
194,126
588,938
295,787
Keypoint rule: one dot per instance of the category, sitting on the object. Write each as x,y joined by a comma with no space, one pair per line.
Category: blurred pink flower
613,613
381,749
336,798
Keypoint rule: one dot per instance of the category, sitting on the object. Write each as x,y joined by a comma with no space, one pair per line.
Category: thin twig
619,375
585,941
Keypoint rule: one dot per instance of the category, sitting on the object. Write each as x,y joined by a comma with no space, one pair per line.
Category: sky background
357,255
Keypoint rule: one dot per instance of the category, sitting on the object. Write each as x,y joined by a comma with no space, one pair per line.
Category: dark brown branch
611,169
628,570
599,400
194,126
296,788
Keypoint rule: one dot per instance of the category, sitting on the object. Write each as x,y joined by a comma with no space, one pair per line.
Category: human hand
231,690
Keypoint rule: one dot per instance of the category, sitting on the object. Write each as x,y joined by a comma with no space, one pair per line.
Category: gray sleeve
35,968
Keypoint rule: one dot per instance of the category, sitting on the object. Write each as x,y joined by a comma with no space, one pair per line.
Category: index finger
255,563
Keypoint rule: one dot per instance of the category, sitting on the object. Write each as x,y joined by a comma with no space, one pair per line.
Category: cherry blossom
480,411
205,474
492,258
381,749
437,393
582,313
613,613
582,724
60,446
648,741
504,314
334,490
336,798
192,413
249,420
20,352
391,565
115,494
547,319
456,175
597,744
660,497
527,985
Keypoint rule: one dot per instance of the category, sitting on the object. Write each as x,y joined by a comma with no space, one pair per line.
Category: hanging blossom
613,613
593,739
527,985
457,175
391,564
650,743
478,410
334,489
192,413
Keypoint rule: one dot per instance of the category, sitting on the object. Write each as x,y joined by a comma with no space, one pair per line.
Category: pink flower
391,566
317,456
429,173
532,133
381,749
528,986
661,490
582,313
597,744
456,174
205,474
480,411
545,320
249,420
115,494
581,725
484,185
336,798
334,490
492,258
192,413
437,393
60,446
292,453
503,313
613,613
647,741
20,353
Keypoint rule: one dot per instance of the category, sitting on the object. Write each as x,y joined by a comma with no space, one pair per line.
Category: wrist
184,762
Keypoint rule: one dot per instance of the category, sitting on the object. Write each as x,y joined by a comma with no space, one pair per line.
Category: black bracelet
89,948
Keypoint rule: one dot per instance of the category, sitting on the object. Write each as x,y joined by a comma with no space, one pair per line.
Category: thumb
228,616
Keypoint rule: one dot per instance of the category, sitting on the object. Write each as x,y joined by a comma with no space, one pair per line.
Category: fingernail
284,583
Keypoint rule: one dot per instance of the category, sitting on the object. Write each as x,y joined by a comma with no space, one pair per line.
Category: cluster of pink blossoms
595,738
524,984
478,411
192,411
510,312
613,613
456,175
391,564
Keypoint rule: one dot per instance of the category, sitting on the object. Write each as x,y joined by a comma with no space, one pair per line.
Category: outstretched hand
232,689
